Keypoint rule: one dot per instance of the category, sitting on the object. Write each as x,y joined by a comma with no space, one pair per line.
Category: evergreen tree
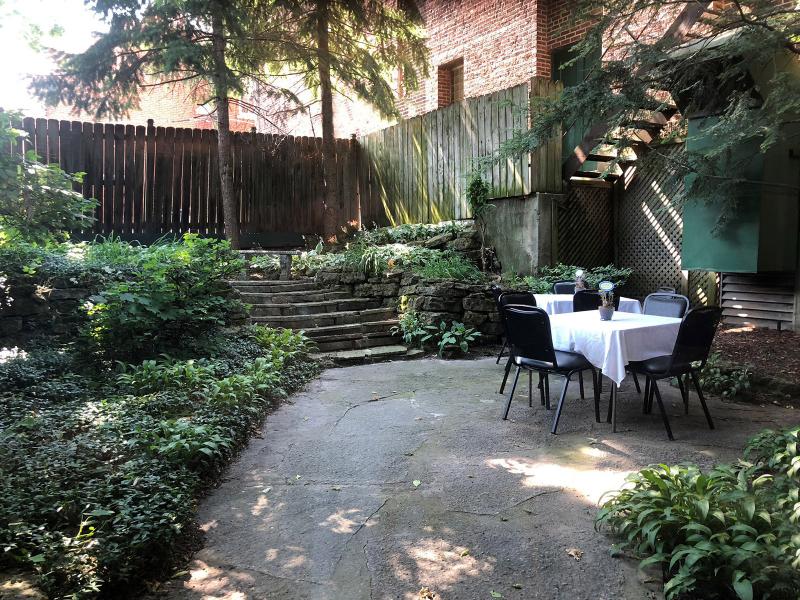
352,47
219,46
740,61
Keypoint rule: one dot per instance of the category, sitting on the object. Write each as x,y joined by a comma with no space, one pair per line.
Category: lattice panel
586,227
650,231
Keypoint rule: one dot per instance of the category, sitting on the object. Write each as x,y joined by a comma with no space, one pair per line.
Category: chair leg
511,395
503,349
646,395
547,391
600,382
561,403
696,382
541,387
684,395
530,389
596,396
636,383
611,398
661,408
505,377
580,383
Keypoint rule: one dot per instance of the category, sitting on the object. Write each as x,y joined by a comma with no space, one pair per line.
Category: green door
571,76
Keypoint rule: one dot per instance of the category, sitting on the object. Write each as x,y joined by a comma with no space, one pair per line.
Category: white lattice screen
650,233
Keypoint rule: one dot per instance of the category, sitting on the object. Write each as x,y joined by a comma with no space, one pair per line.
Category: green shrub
179,289
542,282
448,265
727,382
267,266
411,327
448,336
728,533
403,234
98,488
153,376
37,201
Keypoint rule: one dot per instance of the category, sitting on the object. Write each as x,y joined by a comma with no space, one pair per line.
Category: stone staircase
345,329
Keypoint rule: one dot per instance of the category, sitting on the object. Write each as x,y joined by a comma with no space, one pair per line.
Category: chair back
564,287
695,335
518,298
528,330
590,300
496,292
666,305
665,289
506,298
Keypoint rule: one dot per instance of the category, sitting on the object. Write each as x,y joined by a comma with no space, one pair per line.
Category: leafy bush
478,201
37,201
97,489
412,328
451,336
542,282
728,382
730,533
448,265
268,266
179,288
403,234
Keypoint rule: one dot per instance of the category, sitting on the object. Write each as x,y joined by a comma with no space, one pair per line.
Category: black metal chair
564,287
665,289
503,300
531,343
688,357
664,304
584,300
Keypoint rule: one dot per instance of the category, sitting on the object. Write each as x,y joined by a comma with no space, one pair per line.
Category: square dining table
556,304
611,345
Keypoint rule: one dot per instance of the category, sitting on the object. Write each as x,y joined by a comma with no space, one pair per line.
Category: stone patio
380,480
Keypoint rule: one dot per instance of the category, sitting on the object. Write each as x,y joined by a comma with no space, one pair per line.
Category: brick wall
174,105
500,42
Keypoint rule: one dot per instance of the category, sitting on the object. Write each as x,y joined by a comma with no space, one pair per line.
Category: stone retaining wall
435,300
28,306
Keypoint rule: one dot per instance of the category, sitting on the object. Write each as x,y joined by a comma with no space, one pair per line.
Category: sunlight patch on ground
590,483
340,521
436,560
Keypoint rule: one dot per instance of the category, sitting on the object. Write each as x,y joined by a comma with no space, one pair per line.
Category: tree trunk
330,212
230,210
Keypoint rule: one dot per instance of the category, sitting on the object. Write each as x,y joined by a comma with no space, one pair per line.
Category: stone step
356,343
306,322
293,297
313,308
351,331
367,355
273,287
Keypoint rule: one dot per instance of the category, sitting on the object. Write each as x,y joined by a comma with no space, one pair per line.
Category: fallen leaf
465,553
337,488
496,594
503,519
305,418
266,490
575,553
529,511
516,586
179,574
416,483
426,594
408,454
298,476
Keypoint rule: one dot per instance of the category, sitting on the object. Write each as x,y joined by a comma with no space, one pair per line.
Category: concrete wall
522,231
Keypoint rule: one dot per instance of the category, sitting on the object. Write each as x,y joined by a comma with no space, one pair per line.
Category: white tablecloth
556,304
610,345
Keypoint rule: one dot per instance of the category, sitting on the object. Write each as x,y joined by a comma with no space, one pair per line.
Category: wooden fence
151,181
416,171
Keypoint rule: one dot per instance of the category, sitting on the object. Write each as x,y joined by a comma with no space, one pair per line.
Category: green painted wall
762,235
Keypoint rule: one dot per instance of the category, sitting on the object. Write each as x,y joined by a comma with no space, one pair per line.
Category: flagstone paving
380,480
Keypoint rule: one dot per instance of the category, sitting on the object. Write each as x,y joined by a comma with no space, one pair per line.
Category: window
451,82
